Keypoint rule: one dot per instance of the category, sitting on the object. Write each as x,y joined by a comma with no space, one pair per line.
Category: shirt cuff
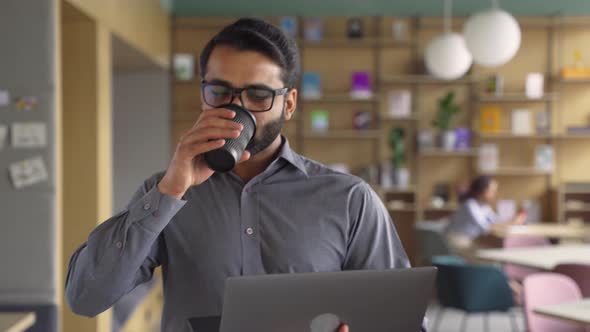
154,210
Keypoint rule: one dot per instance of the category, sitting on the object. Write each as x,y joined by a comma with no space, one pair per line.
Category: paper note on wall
29,135
3,134
4,98
28,172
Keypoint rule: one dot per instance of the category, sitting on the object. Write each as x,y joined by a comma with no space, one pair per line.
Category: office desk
16,321
577,312
544,258
557,231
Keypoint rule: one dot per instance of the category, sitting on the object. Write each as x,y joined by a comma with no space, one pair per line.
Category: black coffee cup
225,158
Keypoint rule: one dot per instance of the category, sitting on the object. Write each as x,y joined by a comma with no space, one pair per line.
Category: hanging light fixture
493,36
446,56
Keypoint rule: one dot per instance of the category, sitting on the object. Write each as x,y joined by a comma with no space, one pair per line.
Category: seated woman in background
475,216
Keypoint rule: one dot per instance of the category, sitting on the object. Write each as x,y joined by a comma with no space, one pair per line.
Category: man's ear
290,103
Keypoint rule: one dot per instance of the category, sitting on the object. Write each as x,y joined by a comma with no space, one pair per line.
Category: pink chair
516,272
580,273
546,289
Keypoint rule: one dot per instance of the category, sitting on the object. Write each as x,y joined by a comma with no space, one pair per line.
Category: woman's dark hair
251,34
477,187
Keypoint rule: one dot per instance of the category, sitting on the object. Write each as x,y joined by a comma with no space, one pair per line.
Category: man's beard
268,134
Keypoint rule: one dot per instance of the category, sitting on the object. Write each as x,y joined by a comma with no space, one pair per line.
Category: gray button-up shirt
296,216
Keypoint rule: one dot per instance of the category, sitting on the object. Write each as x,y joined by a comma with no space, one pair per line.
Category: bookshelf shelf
516,171
514,98
572,136
187,82
585,209
394,190
387,117
405,208
365,42
344,134
572,81
512,136
444,153
423,79
445,208
340,98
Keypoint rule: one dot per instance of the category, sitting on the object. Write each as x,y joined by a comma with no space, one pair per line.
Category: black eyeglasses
253,98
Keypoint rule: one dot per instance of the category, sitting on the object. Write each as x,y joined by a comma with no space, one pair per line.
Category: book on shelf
534,85
362,120
360,87
399,30
521,122
311,85
400,103
320,121
354,28
490,117
184,66
544,158
313,29
289,25
462,139
426,140
543,122
495,85
488,158
578,130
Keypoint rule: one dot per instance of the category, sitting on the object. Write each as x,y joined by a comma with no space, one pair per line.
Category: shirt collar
289,155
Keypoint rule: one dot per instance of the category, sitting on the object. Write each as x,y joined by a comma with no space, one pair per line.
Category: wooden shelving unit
569,193
398,65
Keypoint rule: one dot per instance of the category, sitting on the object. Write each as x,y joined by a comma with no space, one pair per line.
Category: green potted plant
401,174
447,108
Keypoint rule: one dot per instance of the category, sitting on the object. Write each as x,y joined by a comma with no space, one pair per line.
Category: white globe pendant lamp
447,57
493,37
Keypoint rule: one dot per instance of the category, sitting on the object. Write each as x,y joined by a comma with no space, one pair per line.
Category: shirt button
147,206
119,245
249,231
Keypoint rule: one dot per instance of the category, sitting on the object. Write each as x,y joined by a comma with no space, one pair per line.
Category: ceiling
368,7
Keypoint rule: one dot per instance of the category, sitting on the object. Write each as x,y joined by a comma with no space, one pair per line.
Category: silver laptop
375,301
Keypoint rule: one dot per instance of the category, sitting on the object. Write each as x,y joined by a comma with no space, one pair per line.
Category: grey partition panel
27,223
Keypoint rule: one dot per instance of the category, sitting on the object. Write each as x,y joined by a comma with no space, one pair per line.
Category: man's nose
236,98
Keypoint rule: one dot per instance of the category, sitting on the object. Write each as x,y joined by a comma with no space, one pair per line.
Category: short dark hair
251,34
478,186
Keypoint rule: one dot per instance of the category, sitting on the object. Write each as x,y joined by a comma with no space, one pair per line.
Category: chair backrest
430,243
546,289
472,288
580,273
516,272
